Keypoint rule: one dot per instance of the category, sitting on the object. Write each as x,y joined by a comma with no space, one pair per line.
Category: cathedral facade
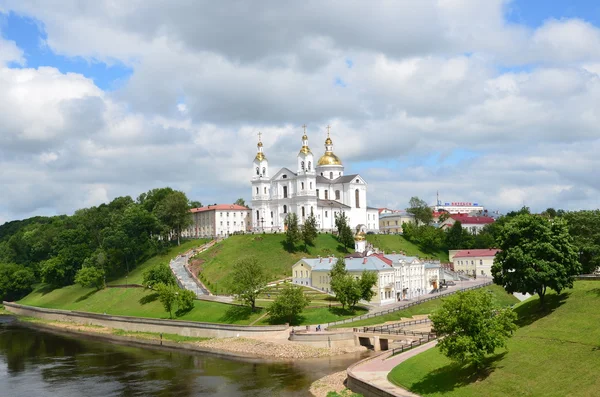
312,186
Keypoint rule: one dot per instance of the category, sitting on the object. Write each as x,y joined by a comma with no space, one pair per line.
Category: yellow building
475,262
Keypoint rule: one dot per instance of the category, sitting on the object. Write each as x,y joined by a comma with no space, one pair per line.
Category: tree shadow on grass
338,311
236,313
595,291
46,289
148,298
299,319
531,311
454,375
85,296
341,249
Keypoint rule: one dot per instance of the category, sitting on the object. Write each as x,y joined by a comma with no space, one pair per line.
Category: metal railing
398,308
403,324
403,348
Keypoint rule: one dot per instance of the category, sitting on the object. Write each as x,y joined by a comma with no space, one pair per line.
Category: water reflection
37,363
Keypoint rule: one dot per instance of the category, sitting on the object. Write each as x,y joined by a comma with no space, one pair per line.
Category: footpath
374,370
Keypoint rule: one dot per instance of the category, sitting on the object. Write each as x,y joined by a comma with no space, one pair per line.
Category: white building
474,262
318,186
218,221
390,222
458,207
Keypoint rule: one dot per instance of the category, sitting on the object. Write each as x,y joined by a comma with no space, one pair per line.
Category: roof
331,203
341,179
472,220
476,253
400,257
370,263
372,208
220,207
396,214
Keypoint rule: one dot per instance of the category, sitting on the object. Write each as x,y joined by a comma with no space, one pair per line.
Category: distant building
474,262
473,224
219,221
391,221
458,207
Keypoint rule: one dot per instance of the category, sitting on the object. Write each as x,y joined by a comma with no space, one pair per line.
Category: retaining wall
137,324
361,387
324,339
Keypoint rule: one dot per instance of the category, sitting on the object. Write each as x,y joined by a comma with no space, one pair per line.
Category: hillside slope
555,352
392,242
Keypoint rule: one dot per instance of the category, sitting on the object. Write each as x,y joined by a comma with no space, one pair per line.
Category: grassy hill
555,352
392,242
216,263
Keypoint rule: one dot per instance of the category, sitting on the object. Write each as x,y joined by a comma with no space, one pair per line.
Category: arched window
309,165
271,214
285,192
356,198
256,190
285,209
257,171
326,195
317,193
301,185
303,213
302,165
257,215
264,171
331,175
265,189
311,210
337,194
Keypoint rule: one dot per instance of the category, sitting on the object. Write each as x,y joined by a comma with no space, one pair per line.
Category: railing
381,328
393,331
398,308
403,348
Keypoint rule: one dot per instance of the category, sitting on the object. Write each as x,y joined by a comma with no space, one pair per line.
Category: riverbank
236,347
331,383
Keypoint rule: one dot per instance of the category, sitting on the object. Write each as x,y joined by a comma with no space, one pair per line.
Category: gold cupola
305,149
260,156
329,158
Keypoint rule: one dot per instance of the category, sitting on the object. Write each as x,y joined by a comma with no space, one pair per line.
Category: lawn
555,352
391,242
502,298
217,262
136,275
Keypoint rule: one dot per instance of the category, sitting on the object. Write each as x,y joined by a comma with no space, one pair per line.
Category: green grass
155,336
502,298
267,248
136,275
320,315
392,242
555,352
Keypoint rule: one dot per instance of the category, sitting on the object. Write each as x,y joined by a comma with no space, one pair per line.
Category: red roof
472,220
383,258
476,253
220,207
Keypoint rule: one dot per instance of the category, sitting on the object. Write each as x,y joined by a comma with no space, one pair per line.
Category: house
390,222
473,224
474,262
218,220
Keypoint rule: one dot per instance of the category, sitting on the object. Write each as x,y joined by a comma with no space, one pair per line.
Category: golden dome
260,156
305,150
260,144
304,137
359,237
328,141
329,159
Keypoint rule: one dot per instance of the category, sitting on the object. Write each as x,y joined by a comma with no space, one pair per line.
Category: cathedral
318,187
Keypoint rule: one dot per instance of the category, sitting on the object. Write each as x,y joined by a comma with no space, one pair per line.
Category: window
257,215
271,214
331,175
303,214
221,223
326,195
356,198
283,176
309,165
357,181
311,210
256,190
228,215
337,194
301,185
265,190
317,193
285,192
221,214
310,185
285,209
302,165
296,273
264,171
325,214
257,171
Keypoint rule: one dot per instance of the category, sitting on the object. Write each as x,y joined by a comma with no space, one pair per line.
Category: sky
487,101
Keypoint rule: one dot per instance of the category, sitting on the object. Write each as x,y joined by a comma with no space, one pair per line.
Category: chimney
364,260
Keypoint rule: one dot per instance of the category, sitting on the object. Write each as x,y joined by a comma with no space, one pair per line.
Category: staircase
185,279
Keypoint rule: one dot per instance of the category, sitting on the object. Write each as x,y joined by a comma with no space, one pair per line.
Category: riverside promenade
370,376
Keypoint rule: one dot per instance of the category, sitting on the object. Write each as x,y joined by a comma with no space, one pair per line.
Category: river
40,363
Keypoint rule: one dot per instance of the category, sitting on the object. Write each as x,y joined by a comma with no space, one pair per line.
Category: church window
285,192
257,215
326,195
337,194
302,165
284,176
285,209
309,165
357,181
317,193
303,212
271,214
356,198
256,190
311,210
339,174
325,214
310,185
301,185
257,171
265,190
264,171
331,175
321,174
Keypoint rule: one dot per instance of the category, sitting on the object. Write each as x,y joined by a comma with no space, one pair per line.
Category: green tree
472,326
309,231
366,282
338,268
173,212
454,237
292,232
168,296
535,254
240,201
195,204
250,280
185,301
347,237
584,227
346,290
159,274
16,281
90,276
289,303
420,210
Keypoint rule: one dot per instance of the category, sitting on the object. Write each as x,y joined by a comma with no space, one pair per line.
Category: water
41,363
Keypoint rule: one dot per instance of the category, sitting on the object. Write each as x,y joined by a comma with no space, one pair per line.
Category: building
399,277
316,186
219,221
390,222
458,207
473,224
474,262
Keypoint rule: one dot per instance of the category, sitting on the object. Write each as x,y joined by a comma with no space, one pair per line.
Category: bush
89,277
159,274
185,301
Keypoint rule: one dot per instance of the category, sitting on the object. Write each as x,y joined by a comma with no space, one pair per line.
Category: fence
381,328
398,308
393,331
415,343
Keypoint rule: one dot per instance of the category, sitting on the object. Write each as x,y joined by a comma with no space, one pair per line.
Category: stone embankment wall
324,339
137,324
357,385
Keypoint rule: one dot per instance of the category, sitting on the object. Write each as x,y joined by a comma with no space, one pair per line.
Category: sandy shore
241,347
333,382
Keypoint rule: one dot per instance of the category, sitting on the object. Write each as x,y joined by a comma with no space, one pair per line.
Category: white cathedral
318,187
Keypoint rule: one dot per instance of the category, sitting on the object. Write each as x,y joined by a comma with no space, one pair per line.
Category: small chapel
312,186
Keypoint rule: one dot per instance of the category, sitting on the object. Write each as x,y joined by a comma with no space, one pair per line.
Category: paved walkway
376,370
183,277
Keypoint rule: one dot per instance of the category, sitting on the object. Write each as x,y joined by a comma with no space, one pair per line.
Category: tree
195,204
292,232
249,280
90,276
167,295
454,237
289,303
535,254
345,236
16,281
348,289
338,268
584,227
173,213
309,231
472,326
420,210
159,274
240,201
366,282
185,301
